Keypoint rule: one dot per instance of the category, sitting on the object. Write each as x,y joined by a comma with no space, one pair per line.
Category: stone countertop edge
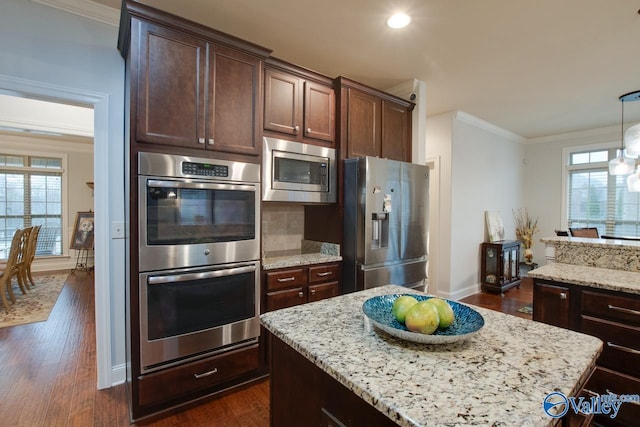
605,243
592,277
500,375
273,263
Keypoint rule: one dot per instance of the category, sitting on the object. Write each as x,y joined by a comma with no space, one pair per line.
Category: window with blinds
31,194
597,199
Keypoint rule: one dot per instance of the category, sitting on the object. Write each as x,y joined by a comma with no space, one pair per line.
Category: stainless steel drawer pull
286,279
624,310
206,374
590,392
623,348
326,273
300,294
210,141
313,291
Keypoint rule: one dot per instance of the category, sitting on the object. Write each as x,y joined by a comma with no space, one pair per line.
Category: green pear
401,306
423,318
444,311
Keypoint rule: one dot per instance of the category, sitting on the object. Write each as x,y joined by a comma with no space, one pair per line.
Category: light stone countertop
500,376
273,263
593,277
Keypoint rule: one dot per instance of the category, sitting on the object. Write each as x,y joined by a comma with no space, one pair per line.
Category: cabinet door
396,128
281,102
319,112
170,87
363,124
286,298
551,304
233,124
323,290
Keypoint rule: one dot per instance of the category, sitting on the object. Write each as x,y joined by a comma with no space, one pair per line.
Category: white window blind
31,194
597,199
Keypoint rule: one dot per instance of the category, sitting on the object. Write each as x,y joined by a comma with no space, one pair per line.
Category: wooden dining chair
591,232
29,256
9,269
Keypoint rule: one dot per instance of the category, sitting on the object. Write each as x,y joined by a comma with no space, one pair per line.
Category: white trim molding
489,127
87,9
100,103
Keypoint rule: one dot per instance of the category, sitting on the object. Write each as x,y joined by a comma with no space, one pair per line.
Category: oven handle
199,185
156,280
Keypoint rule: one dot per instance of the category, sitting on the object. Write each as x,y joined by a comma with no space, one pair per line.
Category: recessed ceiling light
399,20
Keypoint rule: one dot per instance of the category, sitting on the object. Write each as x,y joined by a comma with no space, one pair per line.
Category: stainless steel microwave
295,172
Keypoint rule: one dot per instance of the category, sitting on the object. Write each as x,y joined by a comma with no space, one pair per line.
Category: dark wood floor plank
48,371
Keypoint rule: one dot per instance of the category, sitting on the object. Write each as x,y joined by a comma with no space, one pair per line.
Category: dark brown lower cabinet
612,316
304,395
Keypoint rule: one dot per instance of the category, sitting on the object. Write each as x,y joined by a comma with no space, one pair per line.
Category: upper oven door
190,223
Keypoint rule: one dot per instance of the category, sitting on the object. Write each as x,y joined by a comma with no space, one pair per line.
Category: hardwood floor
48,370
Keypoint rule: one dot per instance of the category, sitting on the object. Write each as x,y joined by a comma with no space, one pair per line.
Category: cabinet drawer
285,279
180,381
286,298
613,307
324,273
605,381
322,291
621,349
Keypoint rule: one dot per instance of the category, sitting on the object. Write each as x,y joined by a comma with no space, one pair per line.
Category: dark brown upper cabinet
298,104
193,92
373,123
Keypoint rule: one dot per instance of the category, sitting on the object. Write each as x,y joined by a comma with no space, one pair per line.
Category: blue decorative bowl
467,321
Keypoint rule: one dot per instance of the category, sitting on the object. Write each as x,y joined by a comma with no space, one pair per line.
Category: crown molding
607,133
87,9
489,127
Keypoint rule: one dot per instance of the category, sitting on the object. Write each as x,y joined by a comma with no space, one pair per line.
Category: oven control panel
205,169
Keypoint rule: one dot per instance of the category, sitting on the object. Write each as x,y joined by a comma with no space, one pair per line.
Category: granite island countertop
500,376
593,277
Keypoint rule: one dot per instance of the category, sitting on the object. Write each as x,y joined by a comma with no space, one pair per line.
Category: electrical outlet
117,230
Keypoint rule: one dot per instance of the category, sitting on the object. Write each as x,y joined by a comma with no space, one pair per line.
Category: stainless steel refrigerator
385,223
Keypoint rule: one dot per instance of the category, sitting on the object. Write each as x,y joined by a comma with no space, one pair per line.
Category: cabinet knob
313,291
563,295
200,140
210,141
296,128
301,294
308,130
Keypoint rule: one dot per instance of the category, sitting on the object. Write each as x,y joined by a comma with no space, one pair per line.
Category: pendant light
632,135
622,165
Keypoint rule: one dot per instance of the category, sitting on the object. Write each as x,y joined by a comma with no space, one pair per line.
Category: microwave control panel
205,169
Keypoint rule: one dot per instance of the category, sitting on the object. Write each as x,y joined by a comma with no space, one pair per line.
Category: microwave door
291,171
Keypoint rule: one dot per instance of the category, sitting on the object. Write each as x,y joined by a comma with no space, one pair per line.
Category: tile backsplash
282,227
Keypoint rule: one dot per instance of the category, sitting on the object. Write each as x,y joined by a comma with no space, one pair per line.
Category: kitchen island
331,367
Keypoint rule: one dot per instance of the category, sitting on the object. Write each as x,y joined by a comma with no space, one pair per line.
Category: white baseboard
461,293
118,374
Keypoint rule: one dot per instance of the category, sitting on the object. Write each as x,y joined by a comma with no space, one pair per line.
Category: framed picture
495,227
83,235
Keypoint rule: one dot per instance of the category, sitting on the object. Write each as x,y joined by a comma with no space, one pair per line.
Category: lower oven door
188,313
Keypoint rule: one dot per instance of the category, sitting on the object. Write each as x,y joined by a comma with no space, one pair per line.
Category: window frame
567,168
63,186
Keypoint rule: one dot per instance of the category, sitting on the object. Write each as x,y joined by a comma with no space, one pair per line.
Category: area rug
36,305
527,309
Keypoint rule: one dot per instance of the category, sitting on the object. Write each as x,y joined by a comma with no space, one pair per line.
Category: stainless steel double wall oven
199,250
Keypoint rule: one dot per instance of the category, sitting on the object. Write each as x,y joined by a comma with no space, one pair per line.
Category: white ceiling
535,68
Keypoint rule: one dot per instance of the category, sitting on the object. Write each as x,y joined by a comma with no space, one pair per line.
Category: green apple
423,317
401,306
444,311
